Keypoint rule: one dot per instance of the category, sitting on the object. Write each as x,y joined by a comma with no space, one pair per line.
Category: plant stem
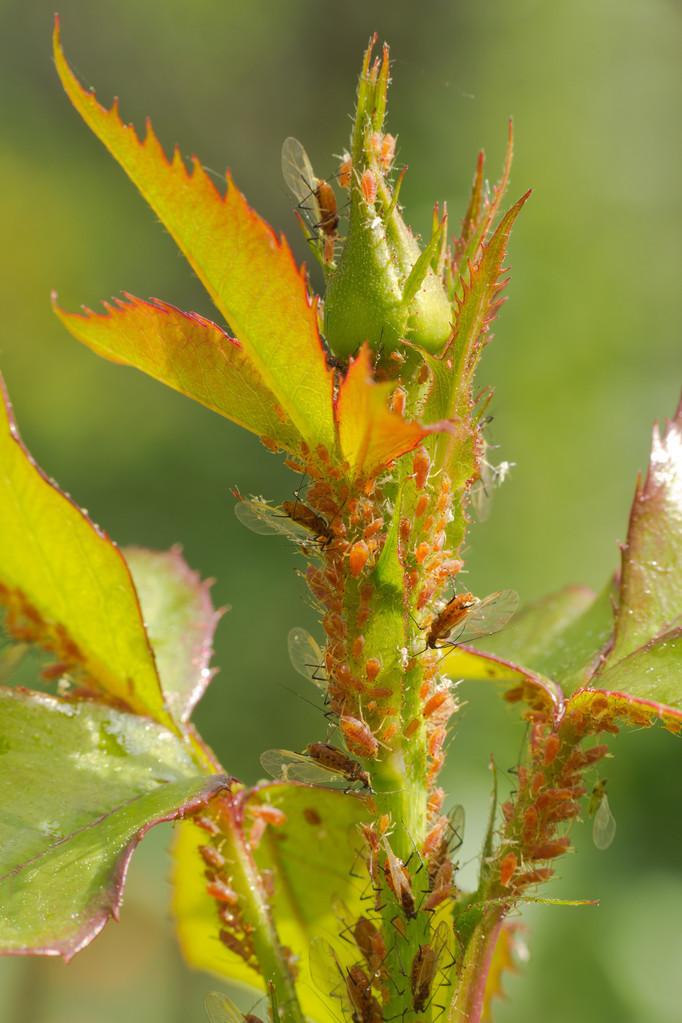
468,1002
253,901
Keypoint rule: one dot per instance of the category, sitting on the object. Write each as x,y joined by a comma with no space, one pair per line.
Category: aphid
398,880
270,814
310,520
359,987
358,556
370,942
220,1009
472,618
359,737
222,892
312,816
306,657
319,764
604,825
292,519
345,171
424,967
316,199
490,478
508,867
421,464
368,187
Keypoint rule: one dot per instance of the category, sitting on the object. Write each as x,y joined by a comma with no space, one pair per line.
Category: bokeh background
587,355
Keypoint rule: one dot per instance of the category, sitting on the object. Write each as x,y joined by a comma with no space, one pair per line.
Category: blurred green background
587,356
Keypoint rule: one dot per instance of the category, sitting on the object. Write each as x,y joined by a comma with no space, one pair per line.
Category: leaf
312,864
68,584
188,353
508,948
180,620
370,435
80,785
523,685
639,689
476,309
248,271
651,586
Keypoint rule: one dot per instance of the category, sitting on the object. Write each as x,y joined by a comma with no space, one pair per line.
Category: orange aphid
358,556
368,187
551,749
422,552
435,702
421,464
270,814
212,857
359,737
421,505
373,528
222,892
398,401
358,646
372,668
548,850
508,868
411,728
387,154
390,731
345,171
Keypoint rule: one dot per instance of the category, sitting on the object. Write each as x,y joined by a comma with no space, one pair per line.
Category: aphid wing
268,519
456,817
306,657
287,766
326,973
489,616
481,494
604,826
298,175
220,1009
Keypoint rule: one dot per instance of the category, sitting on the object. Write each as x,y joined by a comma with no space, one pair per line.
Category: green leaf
247,269
67,585
80,784
651,586
180,622
651,676
312,858
188,353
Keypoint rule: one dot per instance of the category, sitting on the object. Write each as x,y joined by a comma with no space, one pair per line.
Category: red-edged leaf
371,436
651,586
80,785
67,586
180,620
188,353
249,272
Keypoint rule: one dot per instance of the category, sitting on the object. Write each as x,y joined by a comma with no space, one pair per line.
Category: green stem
254,907
468,1002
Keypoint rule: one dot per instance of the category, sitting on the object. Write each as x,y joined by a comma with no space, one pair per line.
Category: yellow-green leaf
370,435
247,269
312,858
188,353
67,585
